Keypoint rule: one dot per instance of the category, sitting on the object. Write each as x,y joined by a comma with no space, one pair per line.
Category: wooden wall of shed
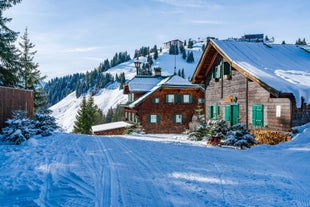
14,99
118,131
237,88
166,111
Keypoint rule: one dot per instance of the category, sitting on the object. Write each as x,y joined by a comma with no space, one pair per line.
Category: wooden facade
168,109
239,97
14,99
165,112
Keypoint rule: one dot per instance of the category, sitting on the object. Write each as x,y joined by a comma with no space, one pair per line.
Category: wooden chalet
176,42
12,99
162,104
264,86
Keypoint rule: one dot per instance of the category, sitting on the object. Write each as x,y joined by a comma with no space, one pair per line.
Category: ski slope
65,111
153,170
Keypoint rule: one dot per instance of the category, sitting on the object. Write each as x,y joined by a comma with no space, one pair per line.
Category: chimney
157,71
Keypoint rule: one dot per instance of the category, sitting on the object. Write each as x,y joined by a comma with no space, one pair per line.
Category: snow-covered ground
65,111
153,170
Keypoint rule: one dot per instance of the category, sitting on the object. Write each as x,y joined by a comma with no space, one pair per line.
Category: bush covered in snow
20,128
236,135
239,135
213,128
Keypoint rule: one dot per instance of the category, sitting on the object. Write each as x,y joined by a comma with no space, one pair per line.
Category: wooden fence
12,99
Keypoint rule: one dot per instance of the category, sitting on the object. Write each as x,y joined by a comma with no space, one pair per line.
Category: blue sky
76,35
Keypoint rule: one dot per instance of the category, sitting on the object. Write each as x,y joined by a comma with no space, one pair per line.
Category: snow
285,68
143,84
108,126
65,111
153,170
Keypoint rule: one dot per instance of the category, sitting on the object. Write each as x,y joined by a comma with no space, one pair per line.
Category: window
131,97
201,100
214,111
186,98
155,100
178,118
278,111
153,118
232,114
219,70
171,98
258,115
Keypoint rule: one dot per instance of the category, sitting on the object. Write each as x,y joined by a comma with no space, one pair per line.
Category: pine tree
88,114
184,56
29,74
9,58
182,73
190,44
155,52
190,57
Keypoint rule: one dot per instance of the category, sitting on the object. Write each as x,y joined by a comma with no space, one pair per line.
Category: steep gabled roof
281,68
174,81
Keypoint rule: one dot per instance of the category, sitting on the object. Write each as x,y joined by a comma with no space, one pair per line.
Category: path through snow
78,170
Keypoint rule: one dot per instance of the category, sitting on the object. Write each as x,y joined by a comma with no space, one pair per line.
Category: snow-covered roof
143,84
109,126
171,81
285,67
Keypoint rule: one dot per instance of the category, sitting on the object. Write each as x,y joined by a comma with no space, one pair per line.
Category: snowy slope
152,170
65,111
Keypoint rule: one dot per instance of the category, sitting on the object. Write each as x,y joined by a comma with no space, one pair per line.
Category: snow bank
153,170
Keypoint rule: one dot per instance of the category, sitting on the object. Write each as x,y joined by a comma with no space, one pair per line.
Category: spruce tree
9,58
87,116
29,74
155,52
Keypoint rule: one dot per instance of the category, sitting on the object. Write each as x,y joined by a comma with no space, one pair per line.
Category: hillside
153,170
65,110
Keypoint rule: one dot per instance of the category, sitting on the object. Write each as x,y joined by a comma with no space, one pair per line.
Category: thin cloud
206,22
80,49
184,3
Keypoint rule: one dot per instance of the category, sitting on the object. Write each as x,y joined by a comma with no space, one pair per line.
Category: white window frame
170,98
153,118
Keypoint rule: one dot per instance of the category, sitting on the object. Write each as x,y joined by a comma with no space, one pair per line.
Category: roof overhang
207,60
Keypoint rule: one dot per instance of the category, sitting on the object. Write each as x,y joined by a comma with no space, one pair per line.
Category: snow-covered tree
44,123
239,135
17,129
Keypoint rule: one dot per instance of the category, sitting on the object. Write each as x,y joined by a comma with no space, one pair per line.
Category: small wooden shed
12,99
114,128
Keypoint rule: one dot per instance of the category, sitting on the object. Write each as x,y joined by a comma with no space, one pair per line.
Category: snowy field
153,170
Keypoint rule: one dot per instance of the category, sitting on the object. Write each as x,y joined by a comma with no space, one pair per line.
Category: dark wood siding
14,99
166,111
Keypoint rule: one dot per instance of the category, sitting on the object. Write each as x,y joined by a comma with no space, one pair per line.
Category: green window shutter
210,112
258,115
153,100
174,118
167,98
235,116
175,98
228,113
158,118
254,115
149,118
183,119
190,99
182,98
